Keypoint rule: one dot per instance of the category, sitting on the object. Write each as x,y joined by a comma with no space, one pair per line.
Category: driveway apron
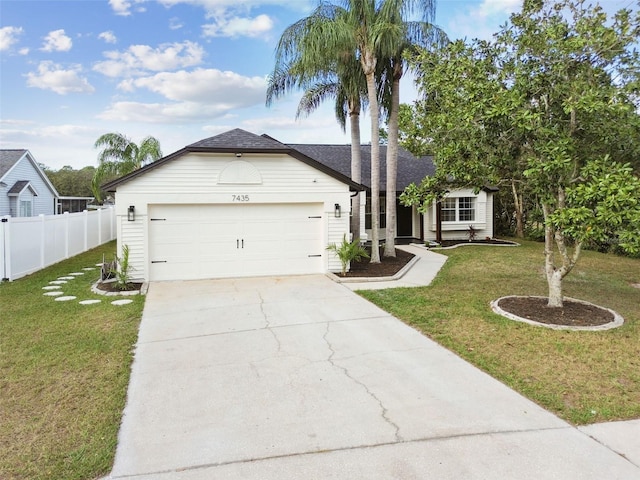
299,377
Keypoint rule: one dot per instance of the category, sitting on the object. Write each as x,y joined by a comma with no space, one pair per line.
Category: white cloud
489,8
51,76
238,26
9,36
56,41
108,37
195,97
175,23
24,51
483,20
205,86
121,7
168,113
140,59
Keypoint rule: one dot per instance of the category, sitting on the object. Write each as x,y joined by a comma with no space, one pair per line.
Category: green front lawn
64,370
584,377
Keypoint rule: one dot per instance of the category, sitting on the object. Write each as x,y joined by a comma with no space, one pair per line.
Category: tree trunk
554,275
356,168
392,168
369,66
439,221
519,210
555,289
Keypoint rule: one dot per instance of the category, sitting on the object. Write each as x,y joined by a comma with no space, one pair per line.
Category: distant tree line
70,182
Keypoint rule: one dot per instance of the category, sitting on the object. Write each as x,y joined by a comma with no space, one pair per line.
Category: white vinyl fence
28,244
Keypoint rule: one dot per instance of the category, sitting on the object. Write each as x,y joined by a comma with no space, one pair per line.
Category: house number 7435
240,198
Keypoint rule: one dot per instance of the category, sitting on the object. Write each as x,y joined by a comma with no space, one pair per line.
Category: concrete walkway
298,377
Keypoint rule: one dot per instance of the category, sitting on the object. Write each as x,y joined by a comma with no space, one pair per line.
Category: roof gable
8,158
238,141
20,187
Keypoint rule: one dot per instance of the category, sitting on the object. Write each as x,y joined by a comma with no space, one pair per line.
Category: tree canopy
550,106
72,183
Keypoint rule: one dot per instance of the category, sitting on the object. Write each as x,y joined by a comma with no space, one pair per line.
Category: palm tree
120,156
346,86
416,33
361,29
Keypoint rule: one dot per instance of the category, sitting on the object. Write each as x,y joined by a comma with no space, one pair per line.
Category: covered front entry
188,242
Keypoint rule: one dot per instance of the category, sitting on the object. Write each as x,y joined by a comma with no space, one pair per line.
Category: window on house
449,209
461,209
367,213
466,209
25,208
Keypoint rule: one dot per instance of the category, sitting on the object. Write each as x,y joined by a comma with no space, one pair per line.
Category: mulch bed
111,287
491,241
574,314
387,267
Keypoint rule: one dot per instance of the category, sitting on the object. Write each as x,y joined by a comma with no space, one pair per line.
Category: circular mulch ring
574,315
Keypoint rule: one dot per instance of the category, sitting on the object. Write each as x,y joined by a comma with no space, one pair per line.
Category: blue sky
179,70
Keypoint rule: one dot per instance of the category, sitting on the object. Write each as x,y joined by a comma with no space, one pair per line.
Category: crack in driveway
385,411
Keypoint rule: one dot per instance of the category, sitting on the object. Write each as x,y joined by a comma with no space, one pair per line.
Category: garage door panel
214,241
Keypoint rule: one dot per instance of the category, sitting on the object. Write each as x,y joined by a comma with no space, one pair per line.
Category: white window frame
458,207
22,203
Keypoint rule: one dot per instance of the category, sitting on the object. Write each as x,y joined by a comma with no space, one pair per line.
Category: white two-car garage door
215,241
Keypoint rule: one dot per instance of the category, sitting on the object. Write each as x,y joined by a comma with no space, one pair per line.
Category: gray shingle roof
8,159
239,140
18,187
338,157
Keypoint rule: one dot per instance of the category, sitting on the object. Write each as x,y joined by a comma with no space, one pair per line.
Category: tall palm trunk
368,60
356,165
392,163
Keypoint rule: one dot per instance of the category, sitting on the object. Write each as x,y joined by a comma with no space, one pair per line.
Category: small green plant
123,272
348,251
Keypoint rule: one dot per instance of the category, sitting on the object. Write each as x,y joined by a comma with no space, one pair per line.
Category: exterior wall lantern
337,210
131,213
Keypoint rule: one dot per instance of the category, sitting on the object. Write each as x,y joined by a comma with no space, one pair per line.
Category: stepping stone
58,282
88,269
120,302
76,274
65,299
89,302
51,287
66,278
98,264
53,294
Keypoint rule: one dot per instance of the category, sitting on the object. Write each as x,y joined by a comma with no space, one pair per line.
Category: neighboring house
74,204
232,205
25,190
239,204
460,210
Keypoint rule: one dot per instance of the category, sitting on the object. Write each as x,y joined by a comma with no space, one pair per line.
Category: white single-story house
232,205
239,204
25,190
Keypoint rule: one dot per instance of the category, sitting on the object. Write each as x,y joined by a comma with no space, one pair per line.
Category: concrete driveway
300,378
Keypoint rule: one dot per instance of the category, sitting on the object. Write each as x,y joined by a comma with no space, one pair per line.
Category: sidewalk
418,273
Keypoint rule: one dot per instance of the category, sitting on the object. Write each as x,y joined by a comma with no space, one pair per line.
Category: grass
584,377
64,370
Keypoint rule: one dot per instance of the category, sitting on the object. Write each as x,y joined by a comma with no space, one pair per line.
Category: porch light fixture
337,210
131,213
